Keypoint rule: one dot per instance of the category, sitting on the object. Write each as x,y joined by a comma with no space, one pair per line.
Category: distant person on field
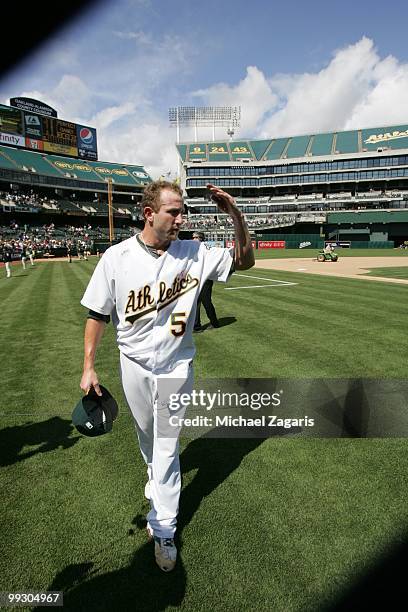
7,257
23,255
205,298
30,253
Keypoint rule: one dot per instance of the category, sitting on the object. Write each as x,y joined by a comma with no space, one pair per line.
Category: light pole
204,116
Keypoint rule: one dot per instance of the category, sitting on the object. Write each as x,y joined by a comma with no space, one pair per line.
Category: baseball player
80,250
205,298
149,285
23,254
7,258
30,253
69,252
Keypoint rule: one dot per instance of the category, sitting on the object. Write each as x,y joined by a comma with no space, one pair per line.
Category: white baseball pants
147,395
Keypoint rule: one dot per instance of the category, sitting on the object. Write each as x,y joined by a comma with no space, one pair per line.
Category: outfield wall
293,241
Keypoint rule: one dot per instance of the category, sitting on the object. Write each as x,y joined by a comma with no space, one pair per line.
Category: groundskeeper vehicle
322,256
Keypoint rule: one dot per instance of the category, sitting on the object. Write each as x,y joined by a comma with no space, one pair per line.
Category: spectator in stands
205,299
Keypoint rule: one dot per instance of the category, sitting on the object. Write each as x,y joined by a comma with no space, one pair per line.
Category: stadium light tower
204,116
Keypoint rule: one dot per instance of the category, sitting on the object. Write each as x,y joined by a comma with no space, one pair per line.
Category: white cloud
387,102
69,97
253,94
355,89
150,144
140,36
109,115
325,100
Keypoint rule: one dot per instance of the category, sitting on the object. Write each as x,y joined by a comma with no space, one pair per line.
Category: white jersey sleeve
217,263
100,292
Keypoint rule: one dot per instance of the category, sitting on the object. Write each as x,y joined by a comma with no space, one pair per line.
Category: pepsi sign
86,138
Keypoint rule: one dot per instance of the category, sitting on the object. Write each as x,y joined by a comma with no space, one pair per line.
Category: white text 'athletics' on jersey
152,301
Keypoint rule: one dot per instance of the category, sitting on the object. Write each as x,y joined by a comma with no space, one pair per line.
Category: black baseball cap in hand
94,414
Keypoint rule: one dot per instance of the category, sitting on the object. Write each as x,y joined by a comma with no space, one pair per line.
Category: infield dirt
350,267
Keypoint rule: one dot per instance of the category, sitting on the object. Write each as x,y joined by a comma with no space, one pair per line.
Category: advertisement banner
11,120
72,166
12,139
33,126
231,243
60,149
271,244
338,244
36,145
86,139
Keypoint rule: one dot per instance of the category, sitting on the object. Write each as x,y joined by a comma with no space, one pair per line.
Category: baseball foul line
267,279
276,283
257,286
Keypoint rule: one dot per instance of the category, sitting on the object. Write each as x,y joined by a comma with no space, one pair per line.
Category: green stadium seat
182,149
74,168
298,146
259,147
138,174
67,205
347,142
69,168
276,149
6,161
379,216
27,160
321,144
116,172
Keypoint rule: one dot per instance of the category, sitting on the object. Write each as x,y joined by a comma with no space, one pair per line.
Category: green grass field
392,272
281,524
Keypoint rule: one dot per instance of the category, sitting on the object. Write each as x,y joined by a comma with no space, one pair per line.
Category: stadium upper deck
32,168
352,161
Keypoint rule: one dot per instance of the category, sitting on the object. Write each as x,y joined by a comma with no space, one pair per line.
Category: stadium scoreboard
40,132
57,133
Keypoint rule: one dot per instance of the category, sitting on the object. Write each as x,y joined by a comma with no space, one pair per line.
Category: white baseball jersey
151,300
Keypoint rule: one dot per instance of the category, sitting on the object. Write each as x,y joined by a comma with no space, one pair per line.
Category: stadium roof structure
313,145
56,166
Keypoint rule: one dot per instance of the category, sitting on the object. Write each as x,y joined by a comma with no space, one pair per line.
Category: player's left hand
224,200
90,379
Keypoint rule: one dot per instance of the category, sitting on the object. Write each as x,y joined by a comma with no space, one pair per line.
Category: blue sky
294,67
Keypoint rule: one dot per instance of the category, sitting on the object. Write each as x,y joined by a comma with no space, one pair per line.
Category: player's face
169,219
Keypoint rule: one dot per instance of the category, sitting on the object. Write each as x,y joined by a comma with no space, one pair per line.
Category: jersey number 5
178,323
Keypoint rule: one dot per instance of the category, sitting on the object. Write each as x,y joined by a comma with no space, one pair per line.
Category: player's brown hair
151,194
